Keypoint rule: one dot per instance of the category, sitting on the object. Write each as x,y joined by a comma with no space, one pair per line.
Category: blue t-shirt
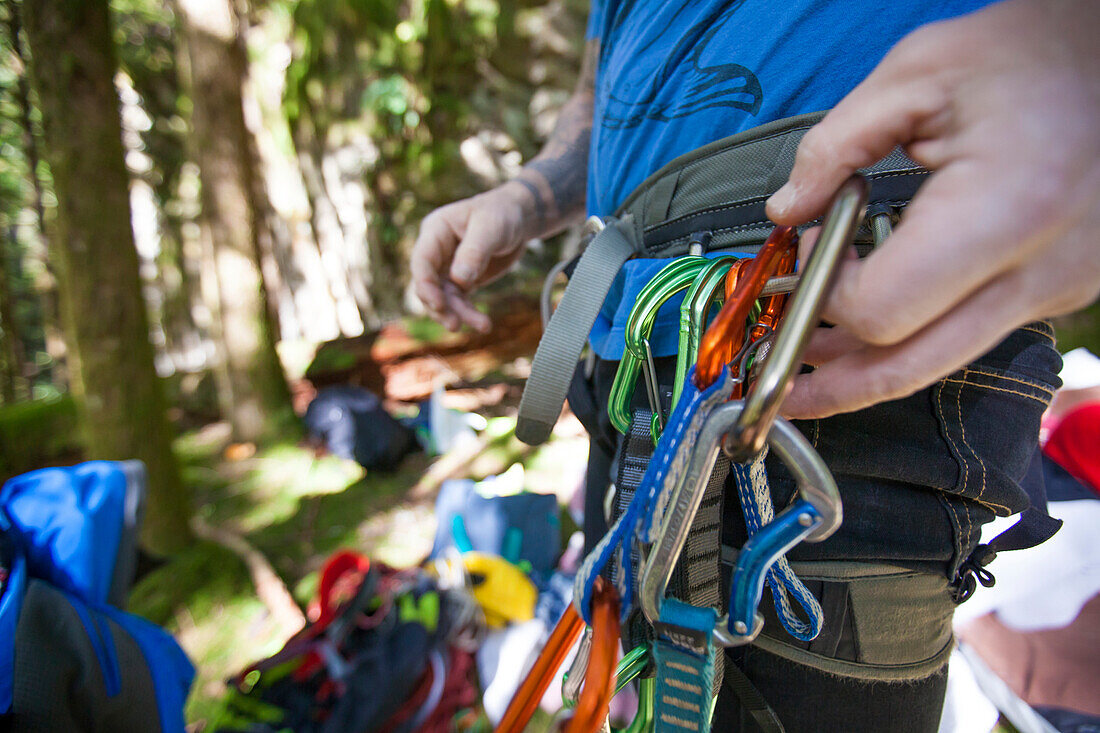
676,75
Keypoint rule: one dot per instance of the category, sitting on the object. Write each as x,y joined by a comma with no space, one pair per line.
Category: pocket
869,632
989,413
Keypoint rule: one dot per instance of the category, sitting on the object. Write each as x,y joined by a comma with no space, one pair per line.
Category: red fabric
1074,444
459,691
340,578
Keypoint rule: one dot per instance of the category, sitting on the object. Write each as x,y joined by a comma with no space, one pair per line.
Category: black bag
352,423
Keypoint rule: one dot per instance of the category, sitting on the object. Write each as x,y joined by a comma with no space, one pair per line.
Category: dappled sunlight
297,509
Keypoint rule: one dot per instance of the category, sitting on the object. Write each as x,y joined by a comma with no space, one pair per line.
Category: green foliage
418,78
1079,329
330,358
37,434
425,330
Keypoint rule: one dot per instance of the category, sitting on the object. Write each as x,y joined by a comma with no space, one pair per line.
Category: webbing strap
752,702
566,333
642,517
636,448
696,580
684,657
751,480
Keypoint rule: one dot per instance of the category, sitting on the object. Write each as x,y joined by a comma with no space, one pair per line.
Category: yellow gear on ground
503,591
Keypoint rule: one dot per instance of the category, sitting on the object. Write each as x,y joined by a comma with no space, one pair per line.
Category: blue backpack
70,660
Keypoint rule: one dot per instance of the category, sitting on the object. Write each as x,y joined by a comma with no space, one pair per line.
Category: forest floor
296,508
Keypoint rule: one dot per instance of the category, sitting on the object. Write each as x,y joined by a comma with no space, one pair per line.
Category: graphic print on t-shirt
695,70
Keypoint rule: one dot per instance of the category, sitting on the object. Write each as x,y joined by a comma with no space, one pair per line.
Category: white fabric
966,709
1044,587
1080,369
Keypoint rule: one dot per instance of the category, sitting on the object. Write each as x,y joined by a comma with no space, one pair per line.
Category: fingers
462,246
827,344
851,380
430,258
460,311
904,284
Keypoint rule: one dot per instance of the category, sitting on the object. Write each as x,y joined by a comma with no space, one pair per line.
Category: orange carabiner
527,696
730,321
734,343
599,678
773,304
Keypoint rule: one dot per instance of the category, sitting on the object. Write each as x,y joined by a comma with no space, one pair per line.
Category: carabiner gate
673,278
813,518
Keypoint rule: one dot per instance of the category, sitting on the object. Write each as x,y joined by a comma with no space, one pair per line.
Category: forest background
203,202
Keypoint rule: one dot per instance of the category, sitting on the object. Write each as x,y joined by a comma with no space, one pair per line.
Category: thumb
890,108
482,238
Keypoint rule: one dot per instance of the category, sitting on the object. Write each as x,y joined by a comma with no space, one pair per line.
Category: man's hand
1004,106
469,243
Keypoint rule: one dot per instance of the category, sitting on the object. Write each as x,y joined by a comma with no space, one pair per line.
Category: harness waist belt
712,196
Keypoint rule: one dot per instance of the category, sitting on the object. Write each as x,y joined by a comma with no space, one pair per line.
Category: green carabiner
693,317
674,277
630,666
644,718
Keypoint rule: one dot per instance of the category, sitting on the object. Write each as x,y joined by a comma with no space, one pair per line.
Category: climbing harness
752,346
673,458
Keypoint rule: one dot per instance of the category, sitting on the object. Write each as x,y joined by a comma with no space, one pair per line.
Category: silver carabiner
574,678
816,487
802,316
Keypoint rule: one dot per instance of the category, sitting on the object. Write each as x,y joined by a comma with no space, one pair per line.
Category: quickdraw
703,421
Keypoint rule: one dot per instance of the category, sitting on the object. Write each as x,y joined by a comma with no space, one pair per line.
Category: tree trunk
327,233
260,397
11,340
46,287
123,408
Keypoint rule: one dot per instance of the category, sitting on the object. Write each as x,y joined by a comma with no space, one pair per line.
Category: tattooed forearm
557,177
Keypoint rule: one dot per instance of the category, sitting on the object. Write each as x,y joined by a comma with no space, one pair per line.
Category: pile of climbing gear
733,371
389,650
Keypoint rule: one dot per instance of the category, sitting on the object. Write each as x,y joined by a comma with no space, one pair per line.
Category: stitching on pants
998,389
966,484
962,427
955,451
1039,331
995,376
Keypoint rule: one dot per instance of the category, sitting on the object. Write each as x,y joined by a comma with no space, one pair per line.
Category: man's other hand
464,245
